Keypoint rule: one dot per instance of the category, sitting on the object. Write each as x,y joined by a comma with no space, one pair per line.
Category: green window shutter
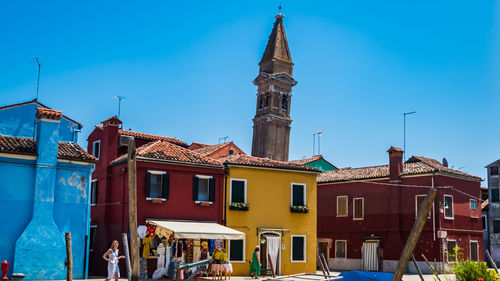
211,190
165,185
148,184
298,249
237,191
195,188
298,195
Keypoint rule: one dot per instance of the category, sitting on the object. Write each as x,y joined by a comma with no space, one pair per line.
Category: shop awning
197,229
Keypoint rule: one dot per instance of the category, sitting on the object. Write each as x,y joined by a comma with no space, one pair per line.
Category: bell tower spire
271,129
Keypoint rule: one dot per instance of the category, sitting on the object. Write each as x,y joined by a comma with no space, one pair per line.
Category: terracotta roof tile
415,165
66,150
209,148
149,137
307,160
246,160
164,150
48,113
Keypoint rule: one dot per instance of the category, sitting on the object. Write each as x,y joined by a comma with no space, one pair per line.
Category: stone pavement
406,277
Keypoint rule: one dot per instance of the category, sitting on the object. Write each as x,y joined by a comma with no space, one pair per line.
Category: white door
369,252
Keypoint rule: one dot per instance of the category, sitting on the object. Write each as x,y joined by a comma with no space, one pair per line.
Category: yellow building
274,204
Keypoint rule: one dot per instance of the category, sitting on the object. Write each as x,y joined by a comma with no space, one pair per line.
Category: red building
365,214
173,182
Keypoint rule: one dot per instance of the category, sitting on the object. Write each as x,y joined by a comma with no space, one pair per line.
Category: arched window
266,103
260,102
284,103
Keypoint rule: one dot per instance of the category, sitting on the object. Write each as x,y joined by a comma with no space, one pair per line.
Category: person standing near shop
111,256
255,265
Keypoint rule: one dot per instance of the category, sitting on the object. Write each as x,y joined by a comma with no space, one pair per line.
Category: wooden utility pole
132,210
423,212
69,257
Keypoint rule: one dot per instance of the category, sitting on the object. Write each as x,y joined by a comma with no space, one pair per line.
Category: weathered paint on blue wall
40,200
19,120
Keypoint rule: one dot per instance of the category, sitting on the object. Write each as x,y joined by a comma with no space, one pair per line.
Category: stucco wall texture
269,199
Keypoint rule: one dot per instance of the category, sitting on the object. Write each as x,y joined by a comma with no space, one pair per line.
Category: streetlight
404,133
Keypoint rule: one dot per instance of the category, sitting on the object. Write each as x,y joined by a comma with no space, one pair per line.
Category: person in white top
111,256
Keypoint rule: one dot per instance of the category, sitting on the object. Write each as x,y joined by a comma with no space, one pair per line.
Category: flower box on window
238,206
299,209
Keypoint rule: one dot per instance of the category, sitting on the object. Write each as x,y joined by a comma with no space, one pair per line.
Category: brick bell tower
271,124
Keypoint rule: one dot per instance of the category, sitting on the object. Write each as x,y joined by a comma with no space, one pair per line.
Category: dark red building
173,182
365,214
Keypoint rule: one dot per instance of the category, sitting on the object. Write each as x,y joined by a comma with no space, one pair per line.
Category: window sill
449,218
234,208
204,203
156,200
298,261
237,261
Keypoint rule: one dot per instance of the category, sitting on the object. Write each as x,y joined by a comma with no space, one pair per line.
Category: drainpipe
226,173
433,214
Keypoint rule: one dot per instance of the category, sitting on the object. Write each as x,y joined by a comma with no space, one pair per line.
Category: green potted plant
238,206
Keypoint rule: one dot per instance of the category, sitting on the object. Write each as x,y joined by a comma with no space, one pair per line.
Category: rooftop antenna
404,133
314,142
38,81
279,9
319,133
223,139
119,98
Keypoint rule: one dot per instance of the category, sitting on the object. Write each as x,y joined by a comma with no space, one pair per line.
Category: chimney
395,163
109,140
42,237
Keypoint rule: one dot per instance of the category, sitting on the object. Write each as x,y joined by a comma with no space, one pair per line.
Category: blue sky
186,70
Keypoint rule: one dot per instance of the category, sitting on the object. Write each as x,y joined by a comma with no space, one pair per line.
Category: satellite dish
445,162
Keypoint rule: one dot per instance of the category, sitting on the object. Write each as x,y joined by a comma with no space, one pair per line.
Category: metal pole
127,255
69,257
314,142
38,81
404,132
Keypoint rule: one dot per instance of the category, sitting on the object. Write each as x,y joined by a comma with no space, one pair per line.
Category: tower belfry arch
271,129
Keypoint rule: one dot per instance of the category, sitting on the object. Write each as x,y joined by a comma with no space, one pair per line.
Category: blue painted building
44,192
19,120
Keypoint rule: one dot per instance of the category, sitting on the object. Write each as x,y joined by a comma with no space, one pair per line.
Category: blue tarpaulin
365,276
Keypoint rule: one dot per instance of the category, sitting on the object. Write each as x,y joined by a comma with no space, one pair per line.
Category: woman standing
111,256
255,265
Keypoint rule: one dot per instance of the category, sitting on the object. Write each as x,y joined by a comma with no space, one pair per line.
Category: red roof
246,160
415,165
149,137
166,151
48,113
27,146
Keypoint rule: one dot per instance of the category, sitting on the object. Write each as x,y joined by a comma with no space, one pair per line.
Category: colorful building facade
45,193
173,183
274,204
365,214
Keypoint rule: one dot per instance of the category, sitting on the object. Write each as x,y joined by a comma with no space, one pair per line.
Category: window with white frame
342,206
96,149
298,248
451,245
157,185
93,229
474,251
237,250
238,191
93,192
448,207
419,199
358,208
203,188
298,194
473,204
340,248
